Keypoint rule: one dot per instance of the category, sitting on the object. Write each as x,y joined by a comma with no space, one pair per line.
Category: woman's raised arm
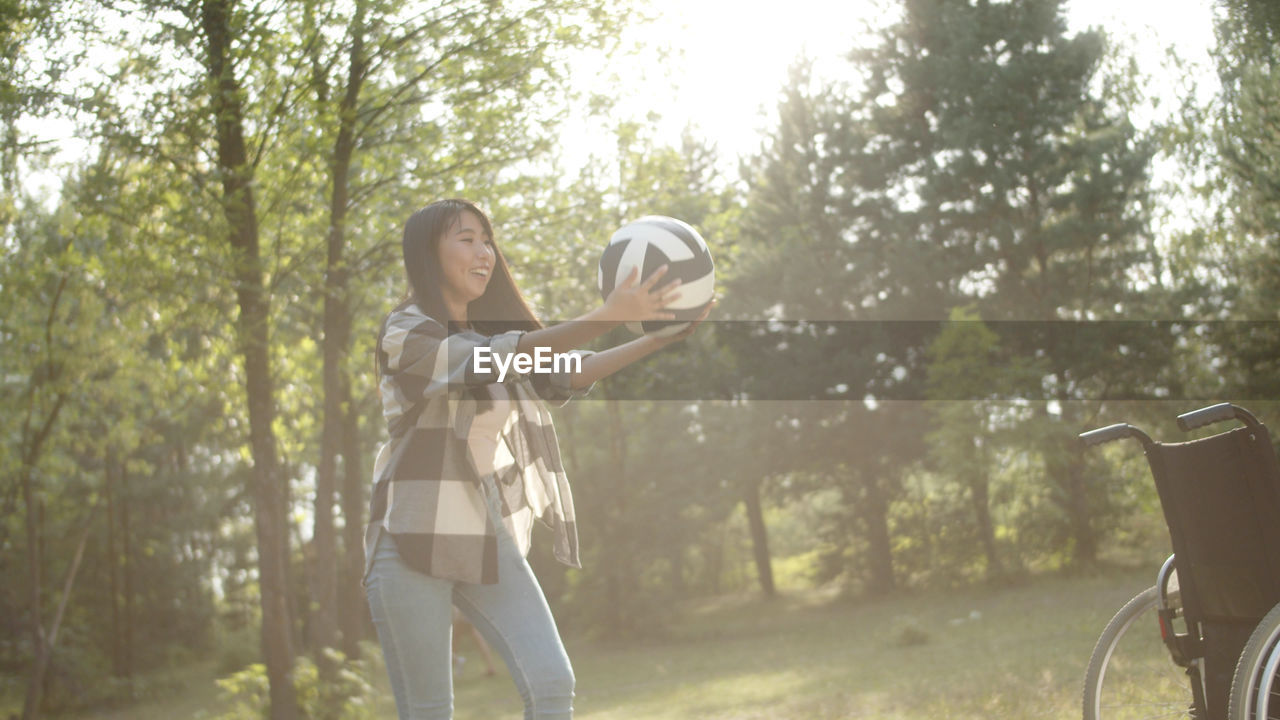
629,302
606,362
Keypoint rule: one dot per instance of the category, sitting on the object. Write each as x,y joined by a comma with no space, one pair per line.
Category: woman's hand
607,362
630,302
664,341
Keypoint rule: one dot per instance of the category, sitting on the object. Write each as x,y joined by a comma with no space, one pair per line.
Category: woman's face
467,256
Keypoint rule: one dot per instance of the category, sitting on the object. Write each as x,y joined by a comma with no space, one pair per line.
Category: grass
1012,652
1015,652
186,693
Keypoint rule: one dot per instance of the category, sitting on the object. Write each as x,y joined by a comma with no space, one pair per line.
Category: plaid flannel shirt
428,493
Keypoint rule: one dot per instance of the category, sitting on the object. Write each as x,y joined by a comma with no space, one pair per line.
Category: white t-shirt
491,455
486,432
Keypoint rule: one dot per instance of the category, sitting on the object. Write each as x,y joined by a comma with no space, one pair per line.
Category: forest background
934,272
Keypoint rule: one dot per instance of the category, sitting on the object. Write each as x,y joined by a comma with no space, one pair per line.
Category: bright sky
735,56
731,61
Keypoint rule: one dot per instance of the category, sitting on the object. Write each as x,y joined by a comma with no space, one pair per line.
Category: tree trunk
759,538
1086,543
979,492
1068,473
980,496
295,588
876,515
253,332
44,650
618,539
35,681
337,342
353,609
33,448
322,573
113,575
126,572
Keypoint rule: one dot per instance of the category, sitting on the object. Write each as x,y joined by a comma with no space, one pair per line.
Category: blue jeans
413,615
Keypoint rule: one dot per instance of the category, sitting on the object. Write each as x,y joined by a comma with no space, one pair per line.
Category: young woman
473,460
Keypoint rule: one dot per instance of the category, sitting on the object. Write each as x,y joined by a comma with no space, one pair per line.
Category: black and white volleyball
649,243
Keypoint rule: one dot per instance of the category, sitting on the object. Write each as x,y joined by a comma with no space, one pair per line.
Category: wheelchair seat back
1221,500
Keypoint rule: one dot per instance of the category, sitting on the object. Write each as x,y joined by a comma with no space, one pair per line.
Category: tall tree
45,289
980,157
963,373
997,166
220,22
1248,142
828,353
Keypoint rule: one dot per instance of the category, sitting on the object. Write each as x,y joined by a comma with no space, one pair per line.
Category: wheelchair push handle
1119,431
1215,414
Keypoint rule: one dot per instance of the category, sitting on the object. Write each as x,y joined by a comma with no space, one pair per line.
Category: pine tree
1001,168
982,158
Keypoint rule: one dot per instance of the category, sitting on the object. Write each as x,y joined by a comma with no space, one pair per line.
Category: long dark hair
501,308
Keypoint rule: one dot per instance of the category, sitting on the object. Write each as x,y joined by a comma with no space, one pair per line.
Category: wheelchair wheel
1255,687
1131,674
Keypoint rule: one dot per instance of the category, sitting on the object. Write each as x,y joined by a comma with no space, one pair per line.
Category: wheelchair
1204,641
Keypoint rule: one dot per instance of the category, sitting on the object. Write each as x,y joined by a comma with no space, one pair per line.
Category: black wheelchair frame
1217,598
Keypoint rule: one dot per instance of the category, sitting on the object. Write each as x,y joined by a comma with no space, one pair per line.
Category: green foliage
238,648
1247,138
349,695
246,693
981,161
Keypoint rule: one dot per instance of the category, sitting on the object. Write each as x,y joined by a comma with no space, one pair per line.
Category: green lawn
1021,655
1015,652
183,693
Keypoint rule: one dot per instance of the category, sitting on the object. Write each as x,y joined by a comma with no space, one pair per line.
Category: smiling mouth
481,272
